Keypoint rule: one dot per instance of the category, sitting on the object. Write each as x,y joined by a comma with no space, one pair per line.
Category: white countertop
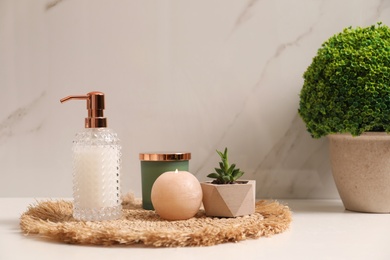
321,229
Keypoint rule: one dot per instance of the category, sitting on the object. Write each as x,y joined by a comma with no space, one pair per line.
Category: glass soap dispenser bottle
96,165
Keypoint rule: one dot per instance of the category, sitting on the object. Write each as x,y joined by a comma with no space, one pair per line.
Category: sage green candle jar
153,165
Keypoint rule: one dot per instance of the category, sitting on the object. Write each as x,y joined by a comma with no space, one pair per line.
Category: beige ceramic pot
229,200
361,170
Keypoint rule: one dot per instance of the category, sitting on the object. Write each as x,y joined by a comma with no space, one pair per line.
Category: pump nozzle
95,106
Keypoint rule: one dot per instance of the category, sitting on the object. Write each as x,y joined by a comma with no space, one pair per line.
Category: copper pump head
95,106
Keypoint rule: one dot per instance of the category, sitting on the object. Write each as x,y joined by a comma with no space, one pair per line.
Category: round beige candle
176,195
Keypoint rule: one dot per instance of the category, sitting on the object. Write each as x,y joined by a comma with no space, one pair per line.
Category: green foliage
347,86
226,174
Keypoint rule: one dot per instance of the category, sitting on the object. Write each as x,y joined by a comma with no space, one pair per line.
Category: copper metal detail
95,107
165,156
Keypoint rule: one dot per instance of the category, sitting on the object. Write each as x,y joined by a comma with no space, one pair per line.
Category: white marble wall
178,75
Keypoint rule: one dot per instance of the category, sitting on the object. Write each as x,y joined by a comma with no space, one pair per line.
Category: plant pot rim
365,135
247,182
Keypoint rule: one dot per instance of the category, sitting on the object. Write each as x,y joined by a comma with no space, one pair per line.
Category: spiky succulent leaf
220,154
226,179
221,166
238,175
231,169
213,175
219,171
235,172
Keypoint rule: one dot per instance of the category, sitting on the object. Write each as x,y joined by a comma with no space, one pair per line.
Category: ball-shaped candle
176,195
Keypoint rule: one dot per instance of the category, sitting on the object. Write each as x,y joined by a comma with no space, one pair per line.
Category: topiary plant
347,86
226,174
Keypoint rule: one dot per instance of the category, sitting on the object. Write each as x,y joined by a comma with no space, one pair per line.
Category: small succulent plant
226,174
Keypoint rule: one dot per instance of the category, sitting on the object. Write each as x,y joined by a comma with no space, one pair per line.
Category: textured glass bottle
96,183
96,165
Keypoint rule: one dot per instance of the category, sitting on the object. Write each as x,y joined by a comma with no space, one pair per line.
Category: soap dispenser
96,165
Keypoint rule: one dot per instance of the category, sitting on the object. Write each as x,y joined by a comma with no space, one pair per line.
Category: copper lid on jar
166,156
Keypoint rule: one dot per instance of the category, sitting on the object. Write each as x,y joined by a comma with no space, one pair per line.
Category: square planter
229,200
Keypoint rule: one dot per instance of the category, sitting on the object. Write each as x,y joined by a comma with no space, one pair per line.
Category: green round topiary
347,86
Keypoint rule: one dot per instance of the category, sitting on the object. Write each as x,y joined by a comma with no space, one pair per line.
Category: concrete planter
229,200
361,170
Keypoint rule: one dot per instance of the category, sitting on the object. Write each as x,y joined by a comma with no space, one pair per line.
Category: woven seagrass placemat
53,220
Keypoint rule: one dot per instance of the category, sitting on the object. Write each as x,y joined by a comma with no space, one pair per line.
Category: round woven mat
53,220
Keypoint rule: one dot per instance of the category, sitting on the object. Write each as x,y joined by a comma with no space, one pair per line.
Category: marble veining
245,14
381,7
178,75
295,152
9,126
279,50
52,4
